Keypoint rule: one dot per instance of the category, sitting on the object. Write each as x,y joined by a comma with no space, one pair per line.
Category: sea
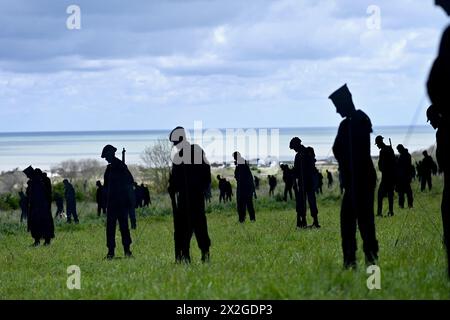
47,149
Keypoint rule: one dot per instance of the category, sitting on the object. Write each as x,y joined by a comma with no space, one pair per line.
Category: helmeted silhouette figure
100,198
304,174
228,190
386,164
439,116
330,179
288,179
245,189
118,184
272,184
23,204
427,169
71,204
146,195
189,178
40,220
59,201
319,181
404,177
352,151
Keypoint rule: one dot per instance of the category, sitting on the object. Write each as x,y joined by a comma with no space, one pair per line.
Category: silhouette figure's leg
124,231
251,209
409,195
401,198
201,233
380,199
430,182
391,199
74,212
445,209
241,205
111,231
348,231
301,210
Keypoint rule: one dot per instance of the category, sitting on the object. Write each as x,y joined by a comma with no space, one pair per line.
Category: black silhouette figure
222,188
404,177
100,198
190,177
245,188
341,182
256,183
59,201
139,195
288,179
118,186
386,164
439,117
71,204
146,195
228,191
272,184
330,179
304,174
319,181
427,168
352,151
40,220
23,204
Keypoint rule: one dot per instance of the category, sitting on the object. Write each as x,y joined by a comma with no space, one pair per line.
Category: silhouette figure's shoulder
445,42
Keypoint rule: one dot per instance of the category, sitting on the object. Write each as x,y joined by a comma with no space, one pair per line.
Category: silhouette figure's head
343,101
98,183
434,117
295,144
444,4
29,172
238,159
425,153
379,142
109,153
177,135
401,148
66,182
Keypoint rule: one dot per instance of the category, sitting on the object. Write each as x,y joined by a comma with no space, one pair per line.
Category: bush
9,201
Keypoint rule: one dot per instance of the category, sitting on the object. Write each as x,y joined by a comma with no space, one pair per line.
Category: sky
231,64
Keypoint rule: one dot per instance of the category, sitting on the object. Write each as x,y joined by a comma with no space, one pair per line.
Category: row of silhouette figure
191,176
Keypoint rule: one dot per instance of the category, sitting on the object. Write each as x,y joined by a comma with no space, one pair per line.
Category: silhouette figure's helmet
294,142
108,149
379,139
28,171
341,94
400,147
177,135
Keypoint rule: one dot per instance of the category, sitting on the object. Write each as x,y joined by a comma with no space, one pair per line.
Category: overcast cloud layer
256,63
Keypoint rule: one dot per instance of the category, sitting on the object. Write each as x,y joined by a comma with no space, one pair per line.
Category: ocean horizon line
126,131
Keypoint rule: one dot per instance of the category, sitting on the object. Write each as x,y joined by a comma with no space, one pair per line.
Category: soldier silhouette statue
245,188
118,184
40,220
386,164
71,204
352,151
189,178
305,177
439,116
404,177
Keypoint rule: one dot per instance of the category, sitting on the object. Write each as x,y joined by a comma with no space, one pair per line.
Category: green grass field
268,259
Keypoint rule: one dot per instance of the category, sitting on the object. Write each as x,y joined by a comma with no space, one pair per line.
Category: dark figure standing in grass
404,177
352,151
222,188
428,168
319,182
330,179
118,189
386,164
71,204
256,183
190,177
23,204
59,201
245,188
288,179
439,116
304,171
40,220
272,184
228,190
146,195
139,195
100,198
